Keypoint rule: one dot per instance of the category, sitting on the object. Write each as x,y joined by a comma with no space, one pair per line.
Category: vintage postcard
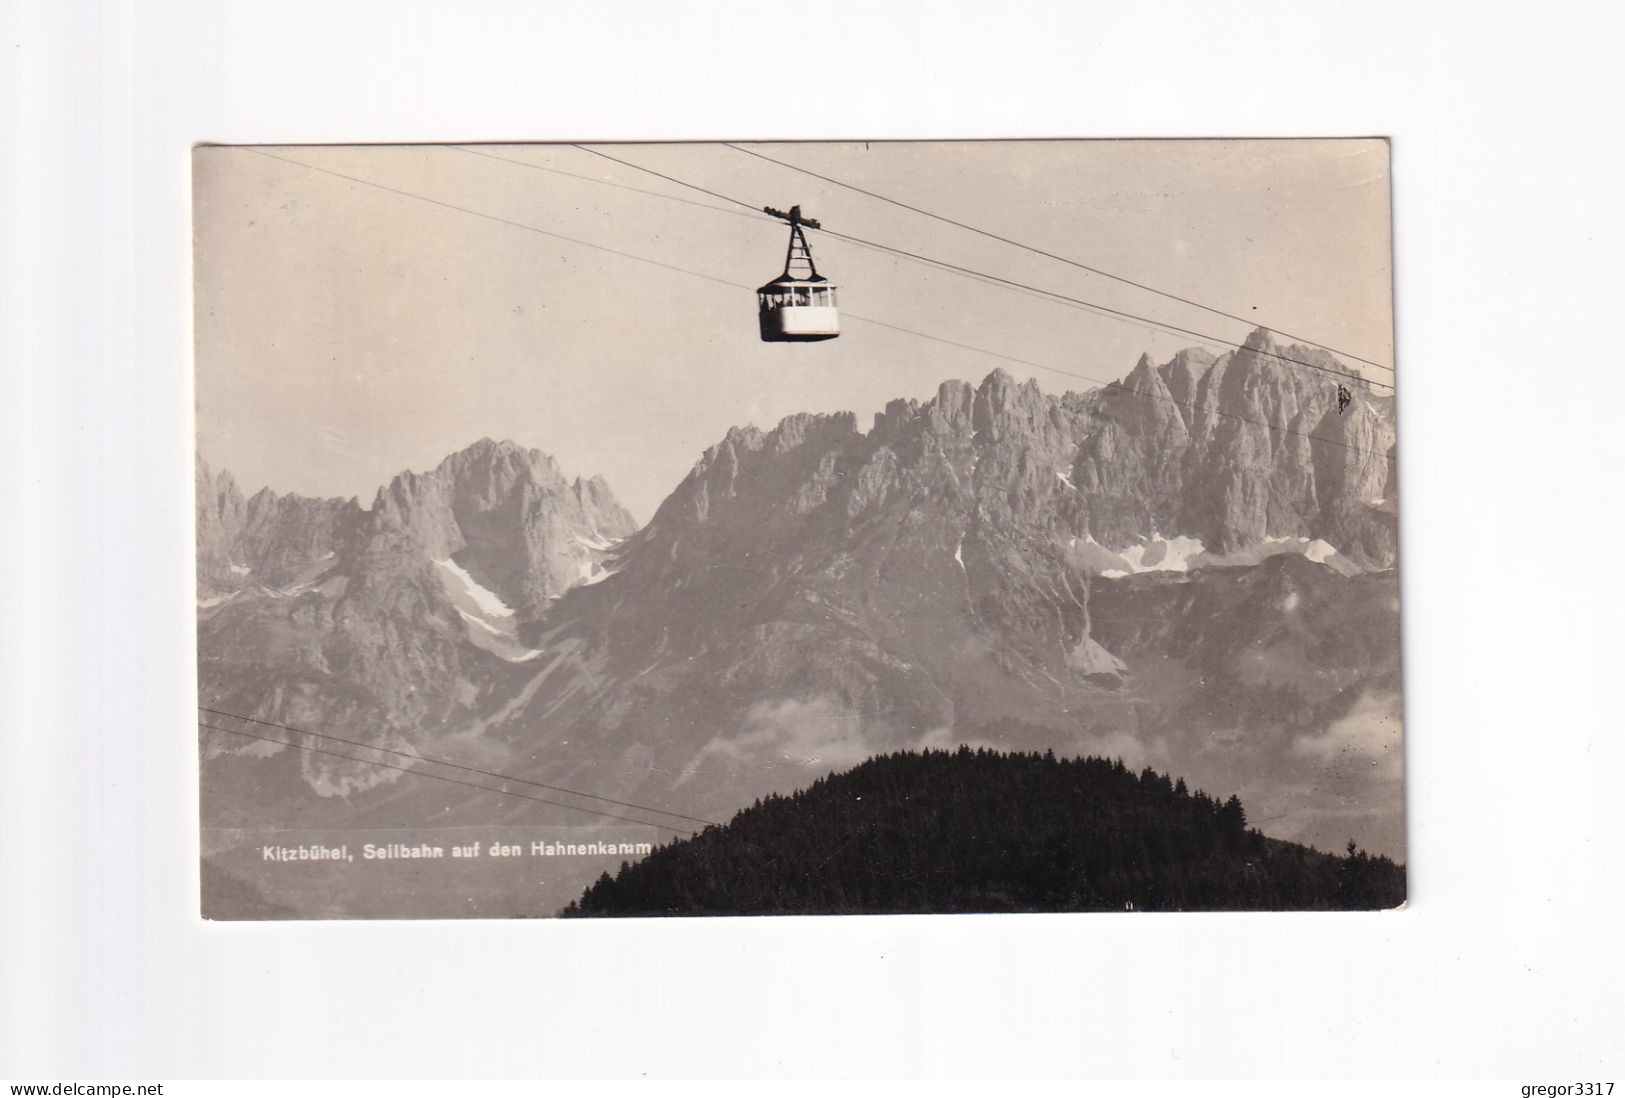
836,528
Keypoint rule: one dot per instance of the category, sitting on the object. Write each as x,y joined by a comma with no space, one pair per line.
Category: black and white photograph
797,528
732,548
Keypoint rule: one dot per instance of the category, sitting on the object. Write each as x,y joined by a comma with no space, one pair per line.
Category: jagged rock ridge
397,621
1240,448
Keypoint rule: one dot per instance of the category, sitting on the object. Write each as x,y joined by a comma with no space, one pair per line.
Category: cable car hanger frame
800,305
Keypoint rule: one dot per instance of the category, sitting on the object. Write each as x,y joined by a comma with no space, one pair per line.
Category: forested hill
973,831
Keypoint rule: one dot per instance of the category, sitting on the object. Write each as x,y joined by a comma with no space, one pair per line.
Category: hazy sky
346,332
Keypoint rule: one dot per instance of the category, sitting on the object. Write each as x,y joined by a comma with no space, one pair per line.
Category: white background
1507,962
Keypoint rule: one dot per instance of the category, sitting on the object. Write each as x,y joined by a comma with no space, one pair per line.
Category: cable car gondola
799,305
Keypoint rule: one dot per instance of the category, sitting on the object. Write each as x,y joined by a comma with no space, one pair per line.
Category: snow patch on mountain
1312,549
1319,551
497,641
490,621
458,581
1089,658
481,623
1185,554
1159,554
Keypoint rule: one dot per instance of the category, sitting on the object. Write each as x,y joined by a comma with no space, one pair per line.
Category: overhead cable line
1053,298
754,215
455,766
1205,337
667,178
867,320
1122,313
443,778
1047,254
489,217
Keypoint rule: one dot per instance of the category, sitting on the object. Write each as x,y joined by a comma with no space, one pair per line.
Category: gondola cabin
794,310
799,306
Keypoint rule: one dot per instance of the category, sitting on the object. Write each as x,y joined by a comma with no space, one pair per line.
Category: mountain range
1193,569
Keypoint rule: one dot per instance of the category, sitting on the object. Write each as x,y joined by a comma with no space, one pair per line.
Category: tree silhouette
985,831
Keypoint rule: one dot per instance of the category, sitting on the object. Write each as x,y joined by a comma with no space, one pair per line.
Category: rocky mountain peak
806,428
1261,341
1006,408
899,413
504,513
508,516
1183,376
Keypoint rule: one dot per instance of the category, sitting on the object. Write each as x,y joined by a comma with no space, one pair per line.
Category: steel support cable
443,778
455,766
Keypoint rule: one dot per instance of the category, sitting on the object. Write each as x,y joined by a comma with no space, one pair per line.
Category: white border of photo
1506,962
